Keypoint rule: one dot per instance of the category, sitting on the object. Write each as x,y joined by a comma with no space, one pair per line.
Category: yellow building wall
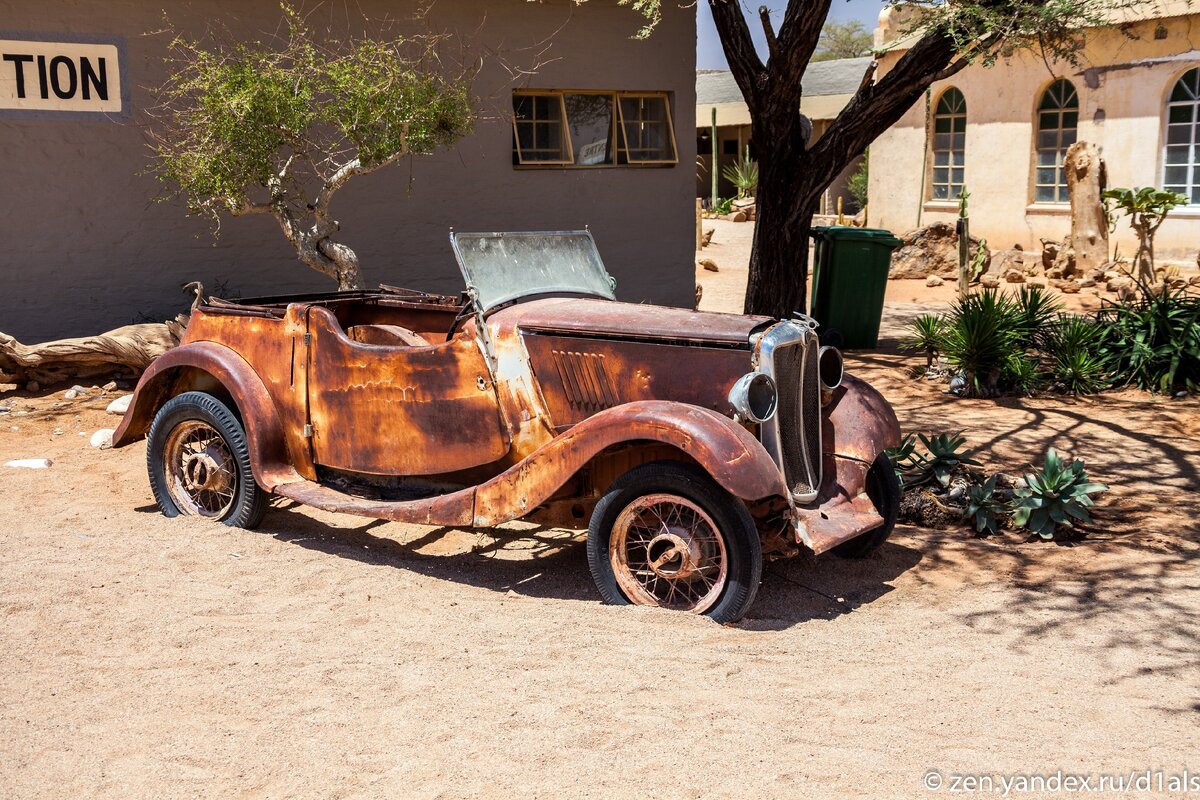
1122,83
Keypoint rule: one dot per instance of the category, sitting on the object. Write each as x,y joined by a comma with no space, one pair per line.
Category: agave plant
903,456
939,463
979,338
983,506
925,335
1153,340
1079,365
1034,310
743,174
1054,496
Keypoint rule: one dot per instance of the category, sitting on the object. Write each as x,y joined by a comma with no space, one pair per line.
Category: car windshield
502,267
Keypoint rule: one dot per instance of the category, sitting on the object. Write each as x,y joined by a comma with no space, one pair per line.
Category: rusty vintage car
691,445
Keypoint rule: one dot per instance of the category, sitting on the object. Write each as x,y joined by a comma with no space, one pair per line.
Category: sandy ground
326,656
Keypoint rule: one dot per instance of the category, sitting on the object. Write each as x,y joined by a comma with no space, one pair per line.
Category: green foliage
903,456
1033,312
1147,209
1078,362
724,206
254,121
1054,496
1022,373
743,174
843,40
979,338
1152,341
859,181
925,335
983,506
939,462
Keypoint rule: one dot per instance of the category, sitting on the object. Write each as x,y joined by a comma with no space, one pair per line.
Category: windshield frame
500,299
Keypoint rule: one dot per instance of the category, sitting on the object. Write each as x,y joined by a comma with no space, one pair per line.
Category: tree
793,169
843,40
1147,209
278,128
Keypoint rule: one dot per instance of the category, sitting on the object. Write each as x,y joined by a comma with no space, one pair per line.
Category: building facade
576,128
1001,133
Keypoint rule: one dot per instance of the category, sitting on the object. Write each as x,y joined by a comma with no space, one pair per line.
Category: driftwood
130,349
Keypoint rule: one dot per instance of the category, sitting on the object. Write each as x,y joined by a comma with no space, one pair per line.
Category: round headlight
754,397
830,367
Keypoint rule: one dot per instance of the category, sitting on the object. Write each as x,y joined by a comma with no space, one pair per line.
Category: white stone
30,463
120,405
103,438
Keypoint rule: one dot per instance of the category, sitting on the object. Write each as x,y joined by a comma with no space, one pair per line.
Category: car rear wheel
883,487
666,535
199,463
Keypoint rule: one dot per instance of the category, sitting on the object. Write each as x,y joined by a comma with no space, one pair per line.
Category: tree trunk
1089,224
132,348
345,265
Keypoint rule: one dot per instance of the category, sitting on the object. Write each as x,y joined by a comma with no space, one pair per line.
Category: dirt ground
327,656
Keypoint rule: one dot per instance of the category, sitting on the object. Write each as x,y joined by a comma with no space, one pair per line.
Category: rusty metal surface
580,376
397,409
726,450
607,318
858,422
449,509
845,510
264,431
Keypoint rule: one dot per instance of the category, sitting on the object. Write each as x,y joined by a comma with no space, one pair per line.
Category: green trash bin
850,274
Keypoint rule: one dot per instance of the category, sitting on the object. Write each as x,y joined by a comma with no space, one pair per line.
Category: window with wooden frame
949,145
592,129
540,129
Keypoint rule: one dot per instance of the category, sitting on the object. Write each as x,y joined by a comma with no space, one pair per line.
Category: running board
455,509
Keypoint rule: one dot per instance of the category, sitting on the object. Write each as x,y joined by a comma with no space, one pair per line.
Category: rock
120,405
33,386
1194,280
4,409
1054,273
109,387
1126,293
1038,281
1014,276
934,280
56,432
989,281
931,250
31,463
1004,260
71,394
744,203
1086,283
102,439
1069,287
1118,283
1050,251
708,234
738,216
707,263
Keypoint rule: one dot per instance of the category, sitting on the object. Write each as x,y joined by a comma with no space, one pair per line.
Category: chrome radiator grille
793,437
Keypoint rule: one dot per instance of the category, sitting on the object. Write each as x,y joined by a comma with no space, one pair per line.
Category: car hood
606,318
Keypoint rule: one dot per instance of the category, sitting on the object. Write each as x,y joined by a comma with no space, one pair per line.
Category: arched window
949,145
1057,120
1181,158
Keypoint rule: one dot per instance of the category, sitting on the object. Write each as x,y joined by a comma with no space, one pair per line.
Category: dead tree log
129,349
1089,226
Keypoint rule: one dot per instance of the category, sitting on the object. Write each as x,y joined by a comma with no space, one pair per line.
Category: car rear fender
724,449
207,366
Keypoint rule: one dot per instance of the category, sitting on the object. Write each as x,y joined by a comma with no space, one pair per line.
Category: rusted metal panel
580,376
449,509
858,422
400,410
627,320
845,510
268,453
726,450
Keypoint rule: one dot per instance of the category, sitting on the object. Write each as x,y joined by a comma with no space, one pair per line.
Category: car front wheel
199,463
666,535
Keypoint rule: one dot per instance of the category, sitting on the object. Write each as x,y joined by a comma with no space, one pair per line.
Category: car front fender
264,430
724,449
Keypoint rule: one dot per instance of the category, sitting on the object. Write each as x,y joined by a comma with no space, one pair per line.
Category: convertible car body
692,445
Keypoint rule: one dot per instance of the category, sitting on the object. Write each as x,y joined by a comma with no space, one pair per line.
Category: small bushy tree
279,127
1147,209
843,40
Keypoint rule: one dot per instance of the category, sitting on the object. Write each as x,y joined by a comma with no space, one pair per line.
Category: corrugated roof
840,76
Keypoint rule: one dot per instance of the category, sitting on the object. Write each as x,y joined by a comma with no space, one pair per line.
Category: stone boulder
931,250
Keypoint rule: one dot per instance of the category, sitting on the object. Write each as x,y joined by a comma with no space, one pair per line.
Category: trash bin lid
847,232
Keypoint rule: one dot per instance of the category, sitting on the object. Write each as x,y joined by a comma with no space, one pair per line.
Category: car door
397,409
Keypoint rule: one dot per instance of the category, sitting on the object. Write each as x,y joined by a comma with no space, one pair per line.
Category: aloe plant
939,463
1054,496
925,335
983,506
743,174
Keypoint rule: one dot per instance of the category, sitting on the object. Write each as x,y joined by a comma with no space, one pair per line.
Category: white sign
59,76
594,153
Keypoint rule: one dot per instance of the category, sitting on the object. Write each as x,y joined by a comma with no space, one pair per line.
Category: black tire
735,526
249,502
883,487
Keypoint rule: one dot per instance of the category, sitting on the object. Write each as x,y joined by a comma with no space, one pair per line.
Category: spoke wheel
201,470
667,552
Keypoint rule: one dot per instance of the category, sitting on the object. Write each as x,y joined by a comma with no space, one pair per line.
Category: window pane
1047,140
1180,113
941,158
538,130
1178,154
590,120
1046,176
646,131
941,125
941,192
1048,120
941,175
1175,176
1196,195
1179,134
1046,194
1047,158
1185,88
1070,119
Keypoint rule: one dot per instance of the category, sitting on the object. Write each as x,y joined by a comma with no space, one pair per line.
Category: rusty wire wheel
666,551
201,470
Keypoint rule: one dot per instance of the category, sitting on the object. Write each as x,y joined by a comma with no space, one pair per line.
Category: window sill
941,205
1187,212
1059,209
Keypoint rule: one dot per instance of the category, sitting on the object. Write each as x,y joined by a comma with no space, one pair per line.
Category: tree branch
744,63
798,38
764,14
